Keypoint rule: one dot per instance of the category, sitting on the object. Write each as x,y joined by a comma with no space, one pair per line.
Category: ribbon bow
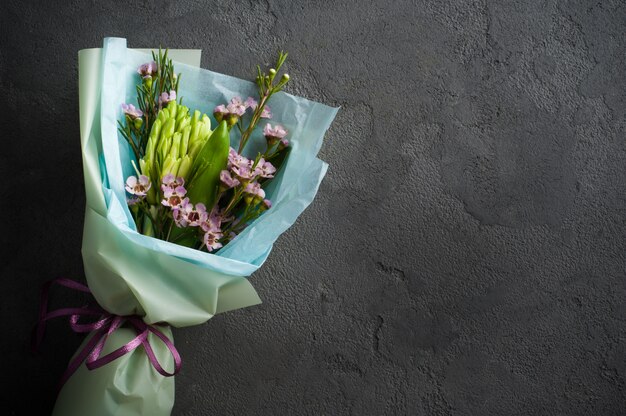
102,328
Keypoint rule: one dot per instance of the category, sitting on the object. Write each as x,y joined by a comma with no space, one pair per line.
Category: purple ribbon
106,324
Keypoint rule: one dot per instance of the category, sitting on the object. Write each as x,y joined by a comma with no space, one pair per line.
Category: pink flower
131,111
250,103
171,181
179,212
227,180
212,231
267,112
220,109
236,106
186,215
164,98
267,204
254,188
265,169
138,187
277,132
211,224
173,190
133,200
148,69
213,221
198,216
232,111
211,240
244,173
236,160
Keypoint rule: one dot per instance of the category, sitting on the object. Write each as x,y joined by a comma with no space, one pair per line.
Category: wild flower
138,187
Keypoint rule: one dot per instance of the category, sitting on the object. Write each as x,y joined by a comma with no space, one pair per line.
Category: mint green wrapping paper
129,273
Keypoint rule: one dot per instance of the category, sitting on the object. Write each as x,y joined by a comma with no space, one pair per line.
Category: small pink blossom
211,240
171,181
251,103
165,98
236,160
198,216
133,200
236,106
267,112
186,215
227,180
220,109
173,197
244,173
138,187
212,231
277,132
254,188
148,69
212,224
131,111
214,220
267,204
265,169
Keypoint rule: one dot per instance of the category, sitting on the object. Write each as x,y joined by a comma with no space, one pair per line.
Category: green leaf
207,165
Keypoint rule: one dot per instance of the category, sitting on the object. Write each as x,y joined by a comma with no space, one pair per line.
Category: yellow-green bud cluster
175,139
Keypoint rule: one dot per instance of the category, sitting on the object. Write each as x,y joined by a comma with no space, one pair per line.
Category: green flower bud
232,119
153,140
195,118
147,81
164,114
181,115
182,123
194,148
184,141
272,72
168,166
164,148
206,120
256,200
144,167
172,107
183,111
283,144
137,123
195,133
174,169
185,167
175,145
283,80
168,128
156,130
205,131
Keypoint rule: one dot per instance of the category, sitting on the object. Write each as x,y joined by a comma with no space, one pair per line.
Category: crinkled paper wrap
130,273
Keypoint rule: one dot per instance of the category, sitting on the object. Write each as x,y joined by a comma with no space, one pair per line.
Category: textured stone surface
465,254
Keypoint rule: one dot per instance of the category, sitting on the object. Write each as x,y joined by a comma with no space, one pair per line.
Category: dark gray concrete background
465,254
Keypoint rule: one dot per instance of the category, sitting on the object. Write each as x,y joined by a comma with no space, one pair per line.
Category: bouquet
188,185
192,188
